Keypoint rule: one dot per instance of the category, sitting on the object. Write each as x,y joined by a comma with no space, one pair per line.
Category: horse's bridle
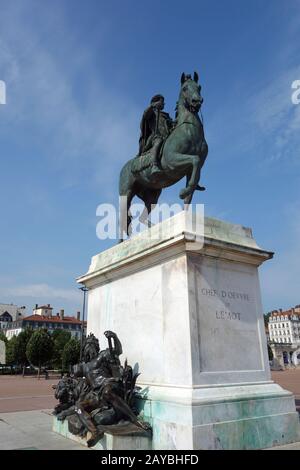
187,122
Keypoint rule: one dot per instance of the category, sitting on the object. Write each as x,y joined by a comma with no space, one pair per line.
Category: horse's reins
189,108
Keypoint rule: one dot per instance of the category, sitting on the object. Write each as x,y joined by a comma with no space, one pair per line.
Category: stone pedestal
187,309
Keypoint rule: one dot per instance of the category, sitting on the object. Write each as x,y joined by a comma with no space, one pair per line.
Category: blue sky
79,75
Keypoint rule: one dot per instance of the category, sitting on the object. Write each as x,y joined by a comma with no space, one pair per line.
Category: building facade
43,310
284,337
42,317
10,313
284,326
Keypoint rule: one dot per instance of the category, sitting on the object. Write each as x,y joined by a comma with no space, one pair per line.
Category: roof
44,306
53,319
10,305
287,313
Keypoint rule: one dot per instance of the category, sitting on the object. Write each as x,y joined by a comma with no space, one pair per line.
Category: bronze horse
183,154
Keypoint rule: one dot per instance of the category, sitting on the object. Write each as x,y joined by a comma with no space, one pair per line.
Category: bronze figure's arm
117,349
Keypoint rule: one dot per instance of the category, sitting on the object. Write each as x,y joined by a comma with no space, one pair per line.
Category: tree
270,353
266,318
60,339
71,353
3,337
40,348
20,347
11,351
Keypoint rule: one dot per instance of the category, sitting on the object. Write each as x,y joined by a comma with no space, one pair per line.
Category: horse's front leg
193,175
193,178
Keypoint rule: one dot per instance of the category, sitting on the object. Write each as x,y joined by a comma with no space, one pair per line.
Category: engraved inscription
227,315
225,294
228,310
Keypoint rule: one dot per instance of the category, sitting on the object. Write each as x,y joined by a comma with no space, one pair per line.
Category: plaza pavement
31,430
26,406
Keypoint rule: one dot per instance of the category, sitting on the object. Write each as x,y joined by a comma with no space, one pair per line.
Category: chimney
78,315
36,306
61,314
48,305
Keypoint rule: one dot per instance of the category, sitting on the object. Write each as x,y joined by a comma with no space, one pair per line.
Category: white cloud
96,134
266,121
273,111
280,277
42,291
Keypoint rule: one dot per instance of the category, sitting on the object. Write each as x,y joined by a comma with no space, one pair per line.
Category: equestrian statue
168,151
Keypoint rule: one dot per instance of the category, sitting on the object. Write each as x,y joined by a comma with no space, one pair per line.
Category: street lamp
84,290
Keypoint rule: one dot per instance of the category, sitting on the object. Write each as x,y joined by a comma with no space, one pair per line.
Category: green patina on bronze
168,152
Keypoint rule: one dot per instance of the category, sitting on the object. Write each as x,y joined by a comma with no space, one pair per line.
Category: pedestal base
108,442
187,309
233,417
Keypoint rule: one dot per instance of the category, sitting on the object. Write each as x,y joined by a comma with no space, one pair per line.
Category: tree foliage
3,337
270,353
266,318
40,348
11,351
71,353
60,339
20,347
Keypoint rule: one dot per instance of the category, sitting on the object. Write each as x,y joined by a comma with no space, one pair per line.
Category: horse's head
190,94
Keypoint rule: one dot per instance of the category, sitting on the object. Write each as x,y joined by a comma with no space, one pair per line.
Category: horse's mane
179,101
176,110
177,106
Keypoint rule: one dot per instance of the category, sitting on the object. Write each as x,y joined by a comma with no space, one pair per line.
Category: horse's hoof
185,193
200,188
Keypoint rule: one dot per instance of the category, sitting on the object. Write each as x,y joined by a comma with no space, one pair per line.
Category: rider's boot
156,150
